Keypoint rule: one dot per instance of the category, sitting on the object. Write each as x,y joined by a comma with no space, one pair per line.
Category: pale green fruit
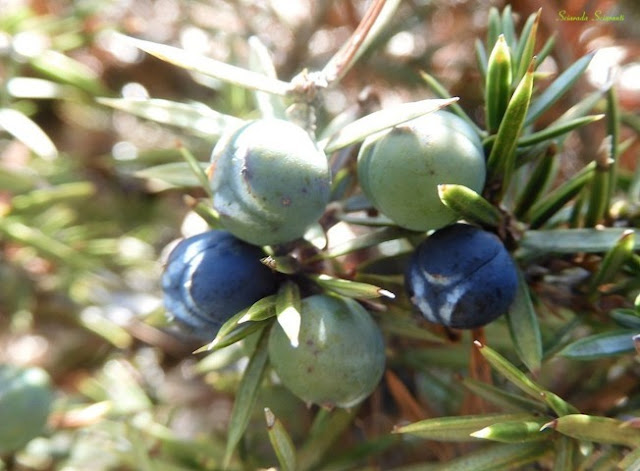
399,169
270,181
25,403
340,356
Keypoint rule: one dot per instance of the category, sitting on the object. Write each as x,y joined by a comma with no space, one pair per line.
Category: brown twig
341,62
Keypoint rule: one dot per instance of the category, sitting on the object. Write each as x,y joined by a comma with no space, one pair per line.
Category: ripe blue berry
270,181
400,169
461,277
211,276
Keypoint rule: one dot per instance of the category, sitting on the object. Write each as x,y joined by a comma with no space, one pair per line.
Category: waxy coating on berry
399,169
461,277
212,276
270,181
340,355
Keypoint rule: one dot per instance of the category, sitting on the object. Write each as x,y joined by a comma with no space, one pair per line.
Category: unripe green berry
399,169
270,181
25,403
340,357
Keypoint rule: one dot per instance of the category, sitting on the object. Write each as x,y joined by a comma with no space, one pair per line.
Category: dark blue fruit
461,277
212,276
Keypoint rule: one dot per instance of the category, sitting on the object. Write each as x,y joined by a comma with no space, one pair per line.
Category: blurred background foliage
82,236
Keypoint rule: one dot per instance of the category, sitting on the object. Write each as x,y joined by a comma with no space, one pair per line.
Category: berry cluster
270,182
460,276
